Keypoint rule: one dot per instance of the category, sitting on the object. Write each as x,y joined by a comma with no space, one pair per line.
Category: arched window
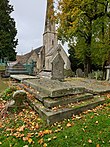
53,42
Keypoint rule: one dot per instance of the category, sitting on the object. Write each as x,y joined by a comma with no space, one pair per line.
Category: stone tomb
53,88
55,100
58,67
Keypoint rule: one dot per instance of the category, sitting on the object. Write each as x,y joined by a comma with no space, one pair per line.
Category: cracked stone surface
90,84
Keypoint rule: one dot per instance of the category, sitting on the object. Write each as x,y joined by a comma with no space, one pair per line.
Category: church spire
49,36
49,20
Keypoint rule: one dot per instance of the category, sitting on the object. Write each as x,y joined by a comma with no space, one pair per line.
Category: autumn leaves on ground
24,128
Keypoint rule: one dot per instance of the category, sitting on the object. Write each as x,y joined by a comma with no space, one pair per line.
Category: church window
52,42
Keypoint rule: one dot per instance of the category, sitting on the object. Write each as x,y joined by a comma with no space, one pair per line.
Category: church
42,56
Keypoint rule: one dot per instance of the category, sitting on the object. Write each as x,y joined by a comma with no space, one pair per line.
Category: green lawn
26,129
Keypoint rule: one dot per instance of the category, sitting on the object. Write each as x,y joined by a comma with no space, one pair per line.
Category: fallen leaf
47,131
25,138
54,137
1,125
30,140
20,129
69,125
30,134
96,122
44,145
92,117
90,141
49,139
58,130
41,141
25,146
37,126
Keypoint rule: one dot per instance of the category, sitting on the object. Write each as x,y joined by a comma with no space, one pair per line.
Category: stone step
38,95
52,102
53,88
60,113
49,103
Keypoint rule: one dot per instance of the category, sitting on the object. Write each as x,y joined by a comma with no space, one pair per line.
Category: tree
79,25
7,31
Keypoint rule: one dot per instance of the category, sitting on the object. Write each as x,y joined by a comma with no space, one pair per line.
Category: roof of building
23,58
37,50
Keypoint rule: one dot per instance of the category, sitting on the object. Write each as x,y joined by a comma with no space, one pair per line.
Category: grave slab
53,88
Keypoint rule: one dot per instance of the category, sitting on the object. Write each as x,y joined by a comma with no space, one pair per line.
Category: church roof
23,58
52,50
37,50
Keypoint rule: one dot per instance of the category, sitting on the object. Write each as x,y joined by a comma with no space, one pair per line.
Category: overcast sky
29,16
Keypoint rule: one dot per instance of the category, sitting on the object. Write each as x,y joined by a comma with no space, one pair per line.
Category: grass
26,129
3,85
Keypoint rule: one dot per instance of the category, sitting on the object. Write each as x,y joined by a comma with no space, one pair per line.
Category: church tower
49,36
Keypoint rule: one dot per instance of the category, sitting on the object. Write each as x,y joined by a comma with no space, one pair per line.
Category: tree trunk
87,62
87,65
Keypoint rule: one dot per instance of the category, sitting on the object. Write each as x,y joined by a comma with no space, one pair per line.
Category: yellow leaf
54,137
49,139
97,145
45,145
96,122
30,140
47,131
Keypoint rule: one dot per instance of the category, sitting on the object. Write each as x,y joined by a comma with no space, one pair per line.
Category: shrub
7,95
68,73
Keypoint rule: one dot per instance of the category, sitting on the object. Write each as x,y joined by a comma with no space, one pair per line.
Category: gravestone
79,73
107,72
58,67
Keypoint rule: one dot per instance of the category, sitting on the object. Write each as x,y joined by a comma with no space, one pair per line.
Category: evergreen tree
7,31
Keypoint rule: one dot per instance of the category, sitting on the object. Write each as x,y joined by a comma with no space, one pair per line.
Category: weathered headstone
107,73
79,73
58,67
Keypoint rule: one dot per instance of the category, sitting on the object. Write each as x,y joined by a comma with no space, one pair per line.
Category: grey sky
29,16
